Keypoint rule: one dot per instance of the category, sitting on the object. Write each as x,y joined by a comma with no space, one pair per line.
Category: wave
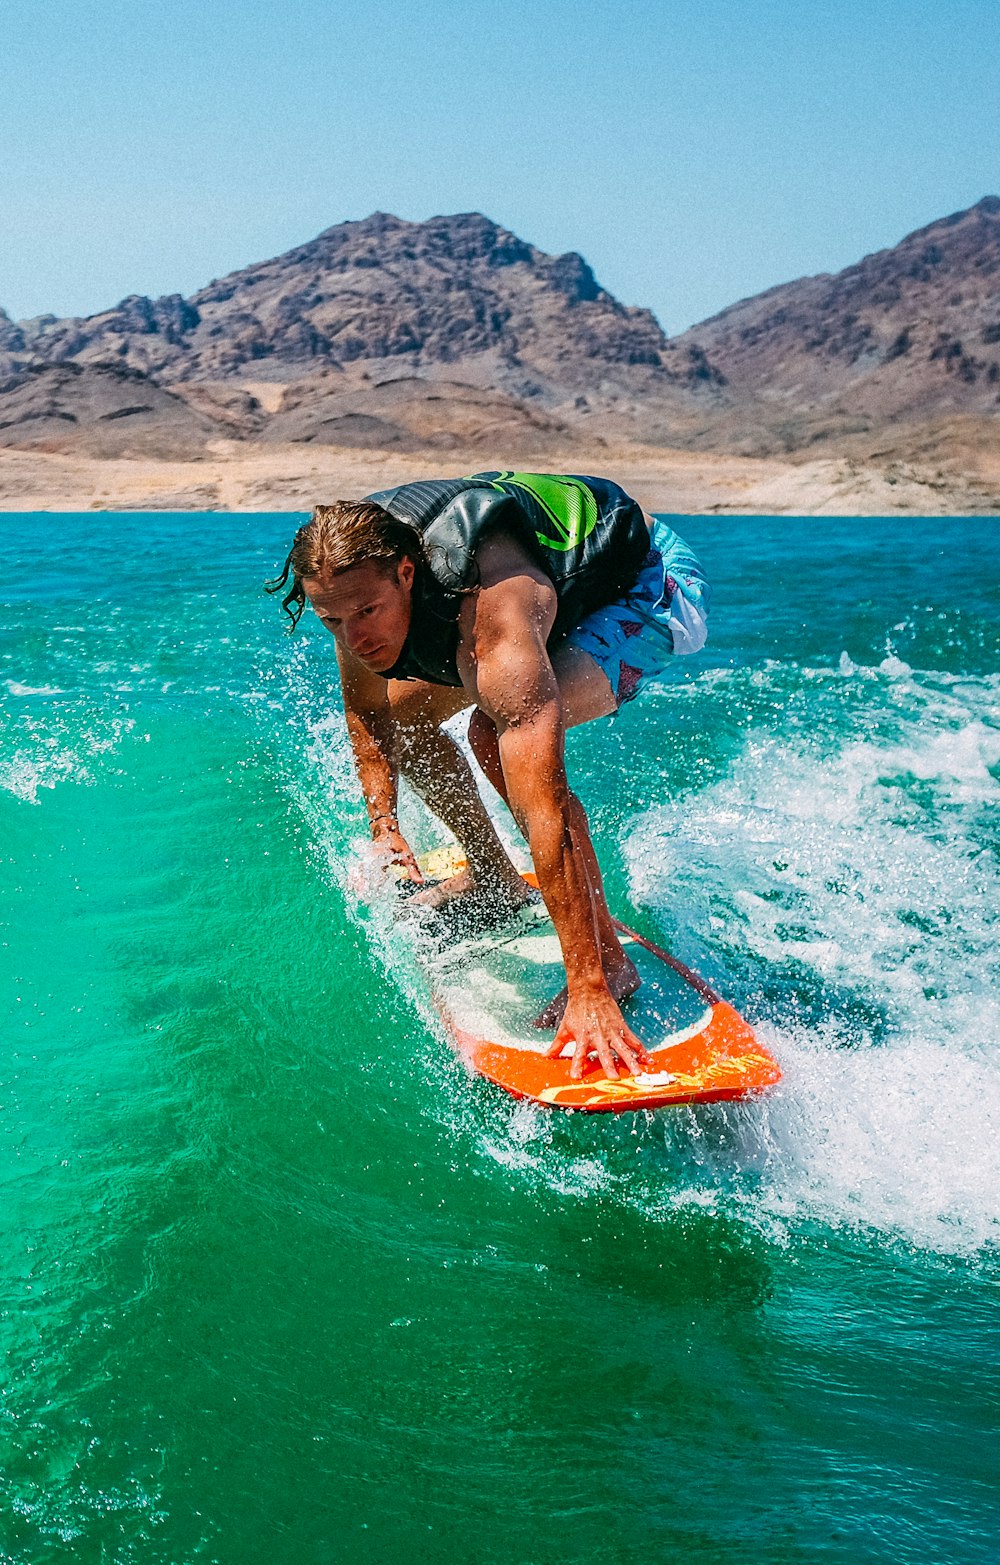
63,748
850,893
834,879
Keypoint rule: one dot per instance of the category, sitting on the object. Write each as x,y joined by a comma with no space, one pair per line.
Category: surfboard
489,986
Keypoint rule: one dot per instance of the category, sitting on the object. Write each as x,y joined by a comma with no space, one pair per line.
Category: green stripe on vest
569,505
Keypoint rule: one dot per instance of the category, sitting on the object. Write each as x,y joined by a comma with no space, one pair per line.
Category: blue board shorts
663,616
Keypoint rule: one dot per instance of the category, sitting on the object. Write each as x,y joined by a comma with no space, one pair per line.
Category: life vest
587,534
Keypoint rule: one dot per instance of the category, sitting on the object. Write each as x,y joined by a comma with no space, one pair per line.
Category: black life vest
587,534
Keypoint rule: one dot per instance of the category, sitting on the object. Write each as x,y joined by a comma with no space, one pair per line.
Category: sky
694,151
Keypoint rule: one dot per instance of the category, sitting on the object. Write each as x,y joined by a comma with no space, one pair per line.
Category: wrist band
383,815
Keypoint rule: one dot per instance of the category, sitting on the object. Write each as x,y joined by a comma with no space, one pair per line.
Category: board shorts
663,616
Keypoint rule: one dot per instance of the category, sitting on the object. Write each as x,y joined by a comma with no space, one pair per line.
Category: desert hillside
454,342
906,336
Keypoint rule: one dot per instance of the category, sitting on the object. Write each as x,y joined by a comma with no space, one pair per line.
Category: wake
839,885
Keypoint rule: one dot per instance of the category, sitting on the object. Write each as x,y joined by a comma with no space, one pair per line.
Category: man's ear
405,573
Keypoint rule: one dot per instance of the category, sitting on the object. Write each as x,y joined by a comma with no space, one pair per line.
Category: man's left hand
593,1024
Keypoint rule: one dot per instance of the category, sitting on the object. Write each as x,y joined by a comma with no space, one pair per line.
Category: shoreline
234,476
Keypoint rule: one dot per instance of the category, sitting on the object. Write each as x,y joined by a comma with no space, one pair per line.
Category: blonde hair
336,538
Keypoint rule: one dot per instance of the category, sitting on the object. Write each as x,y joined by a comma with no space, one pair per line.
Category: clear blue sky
695,151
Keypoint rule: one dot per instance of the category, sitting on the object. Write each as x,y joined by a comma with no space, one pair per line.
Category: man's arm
506,668
369,728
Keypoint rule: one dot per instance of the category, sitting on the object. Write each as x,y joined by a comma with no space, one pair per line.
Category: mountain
410,297
454,334
907,334
104,410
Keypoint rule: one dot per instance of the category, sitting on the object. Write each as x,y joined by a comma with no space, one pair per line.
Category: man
543,601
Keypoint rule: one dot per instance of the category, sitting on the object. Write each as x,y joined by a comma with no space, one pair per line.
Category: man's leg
437,770
586,695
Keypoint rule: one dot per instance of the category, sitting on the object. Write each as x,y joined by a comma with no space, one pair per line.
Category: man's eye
369,610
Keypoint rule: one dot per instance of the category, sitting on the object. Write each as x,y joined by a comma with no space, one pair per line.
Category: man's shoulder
421,501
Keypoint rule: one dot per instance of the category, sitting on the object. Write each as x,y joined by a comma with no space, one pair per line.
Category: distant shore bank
242,476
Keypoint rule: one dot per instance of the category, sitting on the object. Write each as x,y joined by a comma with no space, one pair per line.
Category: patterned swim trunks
664,615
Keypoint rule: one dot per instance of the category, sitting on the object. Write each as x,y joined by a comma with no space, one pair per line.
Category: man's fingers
642,1054
631,1054
406,869
638,1063
629,1058
605,1054
400,857
636,1057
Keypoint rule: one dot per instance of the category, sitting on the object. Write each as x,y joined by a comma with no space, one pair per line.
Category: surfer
543,602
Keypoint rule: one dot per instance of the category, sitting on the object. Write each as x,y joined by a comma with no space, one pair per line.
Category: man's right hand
394,849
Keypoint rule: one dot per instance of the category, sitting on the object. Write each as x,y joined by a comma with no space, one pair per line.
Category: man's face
367,608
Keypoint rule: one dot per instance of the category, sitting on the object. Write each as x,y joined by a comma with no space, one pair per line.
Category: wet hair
338,537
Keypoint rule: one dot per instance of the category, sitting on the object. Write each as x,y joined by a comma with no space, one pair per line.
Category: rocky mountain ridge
906,334
456,334
423,295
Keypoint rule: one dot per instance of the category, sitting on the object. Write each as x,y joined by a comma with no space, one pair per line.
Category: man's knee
485,747
410,705
482,735
421,707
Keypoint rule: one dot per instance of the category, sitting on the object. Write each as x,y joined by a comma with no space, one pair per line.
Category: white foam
857,874
904,1139
59,749
16,688
845,859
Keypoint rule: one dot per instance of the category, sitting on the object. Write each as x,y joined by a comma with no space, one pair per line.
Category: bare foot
623,980
473,902
441,892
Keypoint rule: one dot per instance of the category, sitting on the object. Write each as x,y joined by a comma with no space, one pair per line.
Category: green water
281,1283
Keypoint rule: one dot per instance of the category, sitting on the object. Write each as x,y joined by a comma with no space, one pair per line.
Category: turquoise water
281,1283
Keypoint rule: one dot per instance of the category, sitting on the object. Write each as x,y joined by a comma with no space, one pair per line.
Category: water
281,1283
